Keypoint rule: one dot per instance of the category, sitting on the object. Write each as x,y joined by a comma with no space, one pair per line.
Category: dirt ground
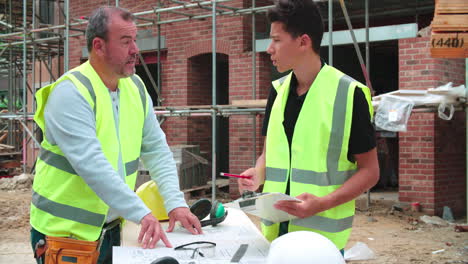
394,236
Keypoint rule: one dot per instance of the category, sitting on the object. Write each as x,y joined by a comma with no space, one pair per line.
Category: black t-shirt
362,138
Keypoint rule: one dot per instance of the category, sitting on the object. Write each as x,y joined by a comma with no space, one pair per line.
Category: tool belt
62,250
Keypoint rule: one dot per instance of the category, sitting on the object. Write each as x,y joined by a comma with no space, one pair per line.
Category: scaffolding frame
36,48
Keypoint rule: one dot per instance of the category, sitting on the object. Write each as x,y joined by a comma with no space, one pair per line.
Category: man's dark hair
98,24
299,17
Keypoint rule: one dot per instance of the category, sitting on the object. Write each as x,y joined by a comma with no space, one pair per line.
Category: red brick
431,151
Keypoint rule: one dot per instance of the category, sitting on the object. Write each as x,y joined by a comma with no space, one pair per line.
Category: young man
320,143
97,121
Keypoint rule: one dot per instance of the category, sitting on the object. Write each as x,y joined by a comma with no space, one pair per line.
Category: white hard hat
304,247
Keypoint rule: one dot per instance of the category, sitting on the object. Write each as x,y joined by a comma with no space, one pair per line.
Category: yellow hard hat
148,192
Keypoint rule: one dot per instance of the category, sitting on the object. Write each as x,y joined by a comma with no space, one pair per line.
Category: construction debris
447,214
360,251
20,182
461,228
433,220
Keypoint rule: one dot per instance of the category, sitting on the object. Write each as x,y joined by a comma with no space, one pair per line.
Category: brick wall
432,151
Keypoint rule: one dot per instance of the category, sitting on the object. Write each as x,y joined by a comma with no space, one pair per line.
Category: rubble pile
20,182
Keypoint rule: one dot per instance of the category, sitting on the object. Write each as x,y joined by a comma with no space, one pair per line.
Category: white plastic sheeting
394,109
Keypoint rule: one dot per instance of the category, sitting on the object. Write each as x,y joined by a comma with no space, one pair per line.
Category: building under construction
205,66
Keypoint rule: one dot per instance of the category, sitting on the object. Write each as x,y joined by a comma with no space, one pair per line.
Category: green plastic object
220,211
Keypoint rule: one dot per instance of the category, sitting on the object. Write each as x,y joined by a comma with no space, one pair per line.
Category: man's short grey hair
98,24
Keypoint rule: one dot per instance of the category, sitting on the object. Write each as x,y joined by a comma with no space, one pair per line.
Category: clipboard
261,205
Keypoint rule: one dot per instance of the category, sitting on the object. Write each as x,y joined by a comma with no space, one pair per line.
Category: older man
97,121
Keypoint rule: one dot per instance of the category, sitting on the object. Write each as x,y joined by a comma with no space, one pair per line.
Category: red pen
235,175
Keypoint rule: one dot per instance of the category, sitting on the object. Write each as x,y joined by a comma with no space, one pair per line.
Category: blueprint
133,255
237,229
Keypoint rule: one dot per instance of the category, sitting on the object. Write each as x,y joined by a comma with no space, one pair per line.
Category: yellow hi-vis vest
319,148
63,204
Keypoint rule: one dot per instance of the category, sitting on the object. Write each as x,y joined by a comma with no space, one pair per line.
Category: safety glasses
200,249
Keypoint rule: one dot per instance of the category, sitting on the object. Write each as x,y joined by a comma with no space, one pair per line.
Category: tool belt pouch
61,250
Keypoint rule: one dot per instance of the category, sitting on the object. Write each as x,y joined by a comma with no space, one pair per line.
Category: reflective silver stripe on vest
276,174
324,223
86,83
338,122
141,89
66,211
332,176
131,166
56,160
321,178
61,163
266,222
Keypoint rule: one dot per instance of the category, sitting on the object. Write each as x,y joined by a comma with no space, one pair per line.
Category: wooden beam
450,22
451,6
449,45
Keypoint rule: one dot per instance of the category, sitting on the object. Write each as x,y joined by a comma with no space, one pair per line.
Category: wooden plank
449,45
235,104
197,188
451,6
220,183
198,191
9,164
185,107
448,2
452,10
250,103
10,154
4,146
446,53
443,22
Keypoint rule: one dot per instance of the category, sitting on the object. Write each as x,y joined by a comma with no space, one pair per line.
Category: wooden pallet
450,22
449,38
201,191
452,6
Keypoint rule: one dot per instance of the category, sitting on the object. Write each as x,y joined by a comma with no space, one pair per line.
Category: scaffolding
28,45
